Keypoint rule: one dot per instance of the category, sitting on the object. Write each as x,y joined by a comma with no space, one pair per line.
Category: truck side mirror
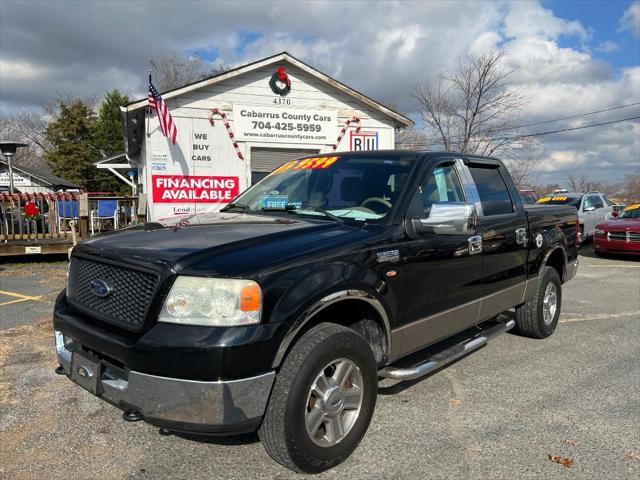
450,218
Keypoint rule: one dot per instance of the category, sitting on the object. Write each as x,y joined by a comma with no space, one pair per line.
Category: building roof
278,58
42,175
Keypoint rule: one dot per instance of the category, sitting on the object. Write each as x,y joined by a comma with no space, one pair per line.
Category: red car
619,235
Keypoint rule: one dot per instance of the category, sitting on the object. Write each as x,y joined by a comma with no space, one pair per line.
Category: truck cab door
503,226
441,273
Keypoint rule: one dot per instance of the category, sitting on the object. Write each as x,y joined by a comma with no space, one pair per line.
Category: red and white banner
190,189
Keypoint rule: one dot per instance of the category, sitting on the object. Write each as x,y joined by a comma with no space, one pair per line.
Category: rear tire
538,318
317,415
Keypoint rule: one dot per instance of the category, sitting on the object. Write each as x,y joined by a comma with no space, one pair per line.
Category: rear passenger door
503,227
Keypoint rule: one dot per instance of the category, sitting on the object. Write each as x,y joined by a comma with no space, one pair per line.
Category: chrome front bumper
231,406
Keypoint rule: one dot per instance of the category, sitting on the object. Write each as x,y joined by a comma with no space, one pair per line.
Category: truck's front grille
624,236
124,301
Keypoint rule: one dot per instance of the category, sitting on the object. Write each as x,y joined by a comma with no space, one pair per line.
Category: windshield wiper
236,206
335,218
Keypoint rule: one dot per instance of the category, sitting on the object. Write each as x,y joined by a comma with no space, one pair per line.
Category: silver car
593,208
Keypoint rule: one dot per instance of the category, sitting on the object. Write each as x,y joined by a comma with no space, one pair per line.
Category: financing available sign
283,124
194,189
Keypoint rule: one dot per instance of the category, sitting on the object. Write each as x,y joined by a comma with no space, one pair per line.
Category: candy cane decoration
216,111
344,130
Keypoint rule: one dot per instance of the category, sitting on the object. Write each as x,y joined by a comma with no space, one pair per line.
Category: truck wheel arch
556,257
343,300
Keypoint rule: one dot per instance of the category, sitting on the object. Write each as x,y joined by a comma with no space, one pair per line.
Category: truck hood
202,239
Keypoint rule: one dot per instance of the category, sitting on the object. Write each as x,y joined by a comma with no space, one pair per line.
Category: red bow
283,77
31,210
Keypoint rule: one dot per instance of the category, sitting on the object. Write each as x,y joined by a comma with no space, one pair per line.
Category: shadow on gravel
244,439
11,261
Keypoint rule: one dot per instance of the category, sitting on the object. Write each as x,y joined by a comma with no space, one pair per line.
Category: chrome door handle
522,237
475,245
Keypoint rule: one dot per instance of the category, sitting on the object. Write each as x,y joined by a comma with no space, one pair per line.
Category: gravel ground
498,413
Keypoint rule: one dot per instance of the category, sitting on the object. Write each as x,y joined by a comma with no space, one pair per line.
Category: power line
618,107
538,133
428,141
576,128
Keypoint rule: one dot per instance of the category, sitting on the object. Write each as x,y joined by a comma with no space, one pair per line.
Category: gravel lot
498,413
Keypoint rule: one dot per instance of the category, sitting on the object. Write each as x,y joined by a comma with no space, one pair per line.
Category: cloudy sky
573,56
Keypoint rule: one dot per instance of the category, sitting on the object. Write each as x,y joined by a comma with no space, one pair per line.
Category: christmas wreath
280,82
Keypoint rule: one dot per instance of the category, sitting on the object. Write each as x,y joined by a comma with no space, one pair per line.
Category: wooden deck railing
44,218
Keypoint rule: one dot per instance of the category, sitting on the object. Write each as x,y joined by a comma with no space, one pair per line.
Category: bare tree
631,188
472,108
580,183
522,162
410,139
173,70
27,126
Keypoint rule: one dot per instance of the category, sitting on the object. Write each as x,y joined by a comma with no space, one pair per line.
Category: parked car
593,208
280,313
620,235
528,196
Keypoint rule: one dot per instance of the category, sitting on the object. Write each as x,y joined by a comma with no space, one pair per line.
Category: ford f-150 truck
281,312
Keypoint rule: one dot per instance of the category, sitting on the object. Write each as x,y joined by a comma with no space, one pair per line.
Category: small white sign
29,250
159,156
259,123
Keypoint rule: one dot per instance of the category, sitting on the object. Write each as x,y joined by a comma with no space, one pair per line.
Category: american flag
167,125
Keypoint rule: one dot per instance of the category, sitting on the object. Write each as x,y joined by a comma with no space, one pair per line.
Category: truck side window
442,185
493,191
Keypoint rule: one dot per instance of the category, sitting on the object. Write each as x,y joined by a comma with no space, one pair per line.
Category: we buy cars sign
192,188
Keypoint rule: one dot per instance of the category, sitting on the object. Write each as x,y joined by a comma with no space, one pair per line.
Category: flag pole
148,109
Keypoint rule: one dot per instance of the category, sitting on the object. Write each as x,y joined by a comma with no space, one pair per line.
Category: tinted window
442,185
592,201
494,195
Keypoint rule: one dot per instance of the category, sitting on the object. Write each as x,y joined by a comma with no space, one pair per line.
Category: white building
276,109
32,180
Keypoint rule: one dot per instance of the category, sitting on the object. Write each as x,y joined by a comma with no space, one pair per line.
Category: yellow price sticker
312,163
633,206
544,200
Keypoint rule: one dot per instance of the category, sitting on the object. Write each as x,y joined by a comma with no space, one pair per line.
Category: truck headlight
214,302
600,232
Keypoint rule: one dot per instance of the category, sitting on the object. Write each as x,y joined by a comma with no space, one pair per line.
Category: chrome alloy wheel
549,303
334,402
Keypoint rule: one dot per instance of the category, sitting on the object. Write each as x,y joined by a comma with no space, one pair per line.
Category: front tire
322,401
538,317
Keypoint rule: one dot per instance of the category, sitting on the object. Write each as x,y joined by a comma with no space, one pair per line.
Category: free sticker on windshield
306,164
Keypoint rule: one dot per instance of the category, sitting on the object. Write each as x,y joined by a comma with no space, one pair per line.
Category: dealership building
236,127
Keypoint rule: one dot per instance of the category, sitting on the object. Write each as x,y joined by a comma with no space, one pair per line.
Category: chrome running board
443,357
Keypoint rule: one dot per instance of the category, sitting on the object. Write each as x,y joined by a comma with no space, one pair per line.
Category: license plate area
85,371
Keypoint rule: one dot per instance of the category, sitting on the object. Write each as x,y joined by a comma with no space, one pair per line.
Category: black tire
283,431
530,317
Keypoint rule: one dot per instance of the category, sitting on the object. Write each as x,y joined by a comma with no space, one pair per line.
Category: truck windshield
560,200
345,187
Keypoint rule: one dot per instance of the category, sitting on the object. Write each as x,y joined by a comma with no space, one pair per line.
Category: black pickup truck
281,312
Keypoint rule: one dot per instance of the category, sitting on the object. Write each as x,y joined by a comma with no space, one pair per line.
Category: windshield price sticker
633,206
306,164
553,199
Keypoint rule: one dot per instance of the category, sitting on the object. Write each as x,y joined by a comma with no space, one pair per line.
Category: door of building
265,160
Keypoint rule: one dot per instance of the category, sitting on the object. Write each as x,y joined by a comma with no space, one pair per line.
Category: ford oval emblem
100,288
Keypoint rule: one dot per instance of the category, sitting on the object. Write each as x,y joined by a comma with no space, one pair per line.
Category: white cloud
607,46
630,21
379,48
